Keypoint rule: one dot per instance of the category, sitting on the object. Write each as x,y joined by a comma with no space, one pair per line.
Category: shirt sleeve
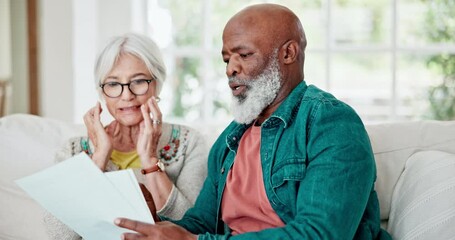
202,217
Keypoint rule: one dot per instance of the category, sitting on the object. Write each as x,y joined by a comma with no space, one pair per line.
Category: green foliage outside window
184,35
439,27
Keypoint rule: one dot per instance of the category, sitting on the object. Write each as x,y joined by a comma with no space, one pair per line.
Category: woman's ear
290,51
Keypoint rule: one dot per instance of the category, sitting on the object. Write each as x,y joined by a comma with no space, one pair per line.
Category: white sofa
415,169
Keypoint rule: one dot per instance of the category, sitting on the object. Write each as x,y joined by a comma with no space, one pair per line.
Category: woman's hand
149,133
99,136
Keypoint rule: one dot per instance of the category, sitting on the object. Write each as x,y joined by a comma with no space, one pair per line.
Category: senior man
296,163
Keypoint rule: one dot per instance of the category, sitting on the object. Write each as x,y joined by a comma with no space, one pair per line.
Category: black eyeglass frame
148,81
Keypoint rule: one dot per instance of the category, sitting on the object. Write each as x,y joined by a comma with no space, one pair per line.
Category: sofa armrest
28,144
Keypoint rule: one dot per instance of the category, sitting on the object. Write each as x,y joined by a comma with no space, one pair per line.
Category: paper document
87,200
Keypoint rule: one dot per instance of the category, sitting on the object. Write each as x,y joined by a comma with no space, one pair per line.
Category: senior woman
168,159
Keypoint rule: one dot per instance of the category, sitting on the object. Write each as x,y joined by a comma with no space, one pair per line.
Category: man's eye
244,55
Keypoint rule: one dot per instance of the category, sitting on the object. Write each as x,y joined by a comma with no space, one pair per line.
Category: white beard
260,93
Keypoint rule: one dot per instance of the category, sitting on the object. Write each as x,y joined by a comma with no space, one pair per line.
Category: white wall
71,34
85,29
94,22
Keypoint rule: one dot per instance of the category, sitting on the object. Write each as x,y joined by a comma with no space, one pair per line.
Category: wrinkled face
259,93
244,55
253,71
126,107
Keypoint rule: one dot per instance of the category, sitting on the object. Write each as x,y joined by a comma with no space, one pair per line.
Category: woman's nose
127,94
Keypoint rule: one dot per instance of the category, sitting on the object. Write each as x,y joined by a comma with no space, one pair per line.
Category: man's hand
160,230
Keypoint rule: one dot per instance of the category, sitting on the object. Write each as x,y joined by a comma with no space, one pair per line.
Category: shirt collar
284,114
288,109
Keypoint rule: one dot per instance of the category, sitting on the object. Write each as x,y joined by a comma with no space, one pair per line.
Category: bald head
275,24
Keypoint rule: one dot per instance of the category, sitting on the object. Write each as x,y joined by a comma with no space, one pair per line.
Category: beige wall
19,77
55,58
5,55
5,39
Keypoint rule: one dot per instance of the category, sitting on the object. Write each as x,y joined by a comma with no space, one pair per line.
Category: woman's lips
130,109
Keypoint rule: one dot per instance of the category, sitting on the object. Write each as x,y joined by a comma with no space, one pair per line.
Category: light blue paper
86,199
127,185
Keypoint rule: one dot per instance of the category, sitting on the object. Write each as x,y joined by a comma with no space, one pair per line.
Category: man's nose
232,68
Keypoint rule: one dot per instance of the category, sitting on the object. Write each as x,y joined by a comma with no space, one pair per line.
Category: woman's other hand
149,133
99,136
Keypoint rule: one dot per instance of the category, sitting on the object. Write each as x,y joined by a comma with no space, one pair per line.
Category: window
382,57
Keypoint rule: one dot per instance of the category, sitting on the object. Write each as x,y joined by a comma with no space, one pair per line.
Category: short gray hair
138,45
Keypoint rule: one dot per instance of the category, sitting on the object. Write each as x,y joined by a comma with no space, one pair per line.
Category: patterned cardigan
184,152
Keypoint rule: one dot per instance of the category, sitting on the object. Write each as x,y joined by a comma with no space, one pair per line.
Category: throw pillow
423,201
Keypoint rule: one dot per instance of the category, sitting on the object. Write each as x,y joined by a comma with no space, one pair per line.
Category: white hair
260,93
138,45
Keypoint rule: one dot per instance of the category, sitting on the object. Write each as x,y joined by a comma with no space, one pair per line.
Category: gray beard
260,93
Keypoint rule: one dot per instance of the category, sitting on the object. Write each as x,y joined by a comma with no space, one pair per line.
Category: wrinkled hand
99,136
149,132
160,230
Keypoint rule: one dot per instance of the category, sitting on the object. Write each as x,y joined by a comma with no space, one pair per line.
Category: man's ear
290,51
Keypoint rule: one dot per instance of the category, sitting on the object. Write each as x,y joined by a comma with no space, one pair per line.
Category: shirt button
234,138
222,170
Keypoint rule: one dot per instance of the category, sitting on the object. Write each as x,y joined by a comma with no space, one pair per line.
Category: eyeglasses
115,89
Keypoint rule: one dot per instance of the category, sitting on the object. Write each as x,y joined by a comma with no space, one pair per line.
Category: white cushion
423,202
394,143
27,144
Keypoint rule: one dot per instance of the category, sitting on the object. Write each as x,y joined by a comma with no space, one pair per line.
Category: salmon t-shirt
245,206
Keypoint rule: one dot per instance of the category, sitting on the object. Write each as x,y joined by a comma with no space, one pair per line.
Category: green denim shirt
318,170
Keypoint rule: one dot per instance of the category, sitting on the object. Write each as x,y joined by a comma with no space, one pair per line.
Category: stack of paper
86,199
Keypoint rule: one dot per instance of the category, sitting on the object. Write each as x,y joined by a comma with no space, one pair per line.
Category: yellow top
126,160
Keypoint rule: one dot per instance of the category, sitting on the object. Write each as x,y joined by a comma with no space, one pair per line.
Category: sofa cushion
423,202
393,143
27,144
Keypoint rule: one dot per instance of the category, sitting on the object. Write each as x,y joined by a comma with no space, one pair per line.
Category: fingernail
117,221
